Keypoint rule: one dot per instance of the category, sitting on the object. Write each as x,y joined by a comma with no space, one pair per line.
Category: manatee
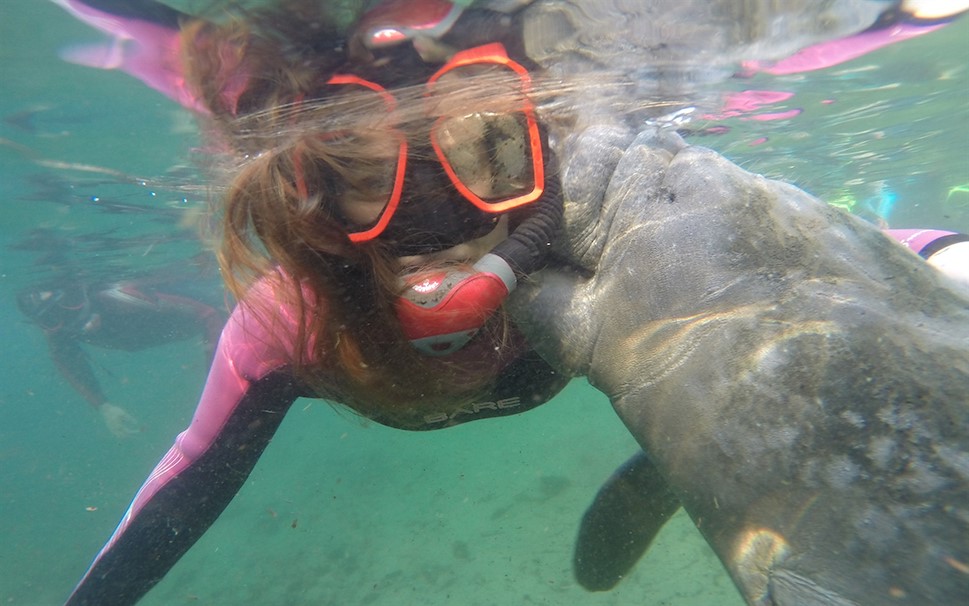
798,380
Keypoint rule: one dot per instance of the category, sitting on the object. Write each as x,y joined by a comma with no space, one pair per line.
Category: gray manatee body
799,380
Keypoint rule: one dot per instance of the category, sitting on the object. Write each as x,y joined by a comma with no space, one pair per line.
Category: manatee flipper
622,521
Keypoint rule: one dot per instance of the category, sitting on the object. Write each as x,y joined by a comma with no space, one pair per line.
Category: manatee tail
622,521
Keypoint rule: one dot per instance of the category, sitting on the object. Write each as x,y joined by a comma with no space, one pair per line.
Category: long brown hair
258,76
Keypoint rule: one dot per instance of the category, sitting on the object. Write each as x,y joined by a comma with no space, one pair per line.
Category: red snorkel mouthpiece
441,311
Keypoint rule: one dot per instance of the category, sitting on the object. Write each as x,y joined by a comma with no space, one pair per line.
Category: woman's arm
247,393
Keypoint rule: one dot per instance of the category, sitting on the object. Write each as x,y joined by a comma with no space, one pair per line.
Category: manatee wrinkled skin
799,379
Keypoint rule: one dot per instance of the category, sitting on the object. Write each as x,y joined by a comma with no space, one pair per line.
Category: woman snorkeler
383,196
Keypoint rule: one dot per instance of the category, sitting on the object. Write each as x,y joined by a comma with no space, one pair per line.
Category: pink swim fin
145,46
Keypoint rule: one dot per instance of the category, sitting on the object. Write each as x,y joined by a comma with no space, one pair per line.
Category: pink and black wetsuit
249,389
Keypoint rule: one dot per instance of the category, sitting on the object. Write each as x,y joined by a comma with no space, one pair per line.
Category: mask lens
365,175
360,189
489,153
492,154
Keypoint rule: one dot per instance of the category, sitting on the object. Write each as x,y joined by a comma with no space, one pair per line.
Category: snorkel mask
453,186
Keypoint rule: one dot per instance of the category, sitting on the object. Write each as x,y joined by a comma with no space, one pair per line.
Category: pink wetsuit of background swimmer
251,386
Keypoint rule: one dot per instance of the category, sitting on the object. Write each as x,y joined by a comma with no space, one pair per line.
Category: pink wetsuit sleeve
249,352
239,359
